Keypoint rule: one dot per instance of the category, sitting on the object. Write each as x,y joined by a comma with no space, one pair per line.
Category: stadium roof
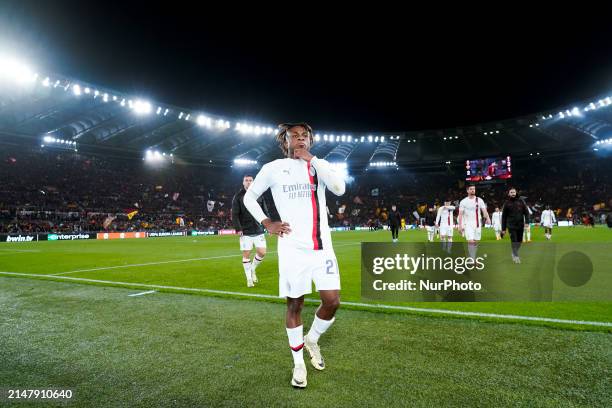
54,110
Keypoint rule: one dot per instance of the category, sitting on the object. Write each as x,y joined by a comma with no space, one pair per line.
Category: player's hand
526,226
300,152
276,227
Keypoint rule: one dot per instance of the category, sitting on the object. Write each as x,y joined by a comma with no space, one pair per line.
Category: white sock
246,264
472,248
529,235
256,261
296,343
319,326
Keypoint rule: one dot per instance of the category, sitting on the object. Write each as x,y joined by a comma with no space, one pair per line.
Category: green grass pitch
81,330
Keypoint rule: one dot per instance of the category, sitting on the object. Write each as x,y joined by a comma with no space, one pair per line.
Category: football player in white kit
305,252
445,222
547,219
496,218
471,209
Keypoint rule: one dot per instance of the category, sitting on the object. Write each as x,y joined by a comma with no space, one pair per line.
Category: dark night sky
382,71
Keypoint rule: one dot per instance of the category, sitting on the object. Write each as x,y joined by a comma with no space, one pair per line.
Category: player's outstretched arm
262,182
332,179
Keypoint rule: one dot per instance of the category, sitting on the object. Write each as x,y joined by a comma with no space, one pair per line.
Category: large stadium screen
498,168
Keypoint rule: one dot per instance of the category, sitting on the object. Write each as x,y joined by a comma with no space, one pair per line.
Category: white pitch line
143,264
103,268
362,305
143,293
19,250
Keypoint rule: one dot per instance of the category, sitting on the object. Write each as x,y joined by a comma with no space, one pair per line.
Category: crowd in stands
577,190
65,191
43,191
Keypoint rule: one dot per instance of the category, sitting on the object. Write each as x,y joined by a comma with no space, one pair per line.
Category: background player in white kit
305,252
445,222
547,219
471,209
496,218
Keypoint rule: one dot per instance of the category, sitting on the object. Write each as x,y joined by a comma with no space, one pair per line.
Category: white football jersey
298,189
496,218
445,216
548,217
471,209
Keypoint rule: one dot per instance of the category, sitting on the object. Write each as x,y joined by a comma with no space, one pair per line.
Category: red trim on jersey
477,215
297,348
315,210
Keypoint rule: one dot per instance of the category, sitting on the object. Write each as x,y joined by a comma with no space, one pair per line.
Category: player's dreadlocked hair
281,136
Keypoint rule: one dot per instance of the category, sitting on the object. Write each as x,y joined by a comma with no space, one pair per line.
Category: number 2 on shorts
330,267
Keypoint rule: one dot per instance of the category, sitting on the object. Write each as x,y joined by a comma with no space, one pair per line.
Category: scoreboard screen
497,168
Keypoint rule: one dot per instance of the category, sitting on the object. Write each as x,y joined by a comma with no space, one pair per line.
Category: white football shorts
299,268
248,242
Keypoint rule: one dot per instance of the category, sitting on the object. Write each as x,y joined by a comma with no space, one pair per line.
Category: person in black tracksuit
395,221
250,231
430,223
515,216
